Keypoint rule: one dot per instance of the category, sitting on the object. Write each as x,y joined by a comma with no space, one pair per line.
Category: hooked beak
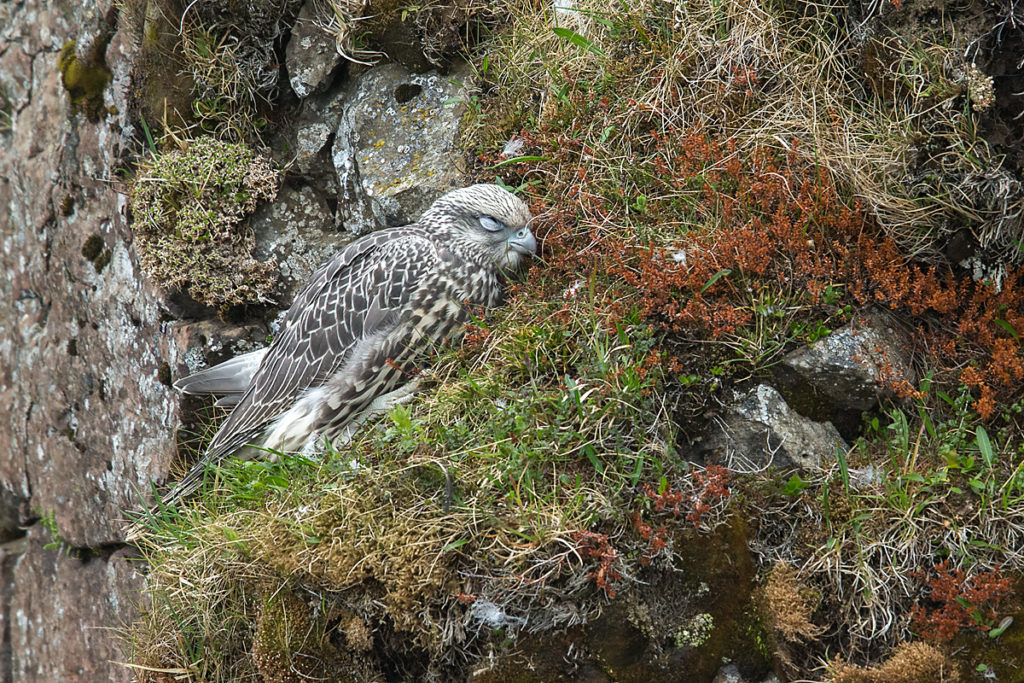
523,242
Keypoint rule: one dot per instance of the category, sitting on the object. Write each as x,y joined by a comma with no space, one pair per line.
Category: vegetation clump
961,602
789,606
189,210
228,51
208,67
909,663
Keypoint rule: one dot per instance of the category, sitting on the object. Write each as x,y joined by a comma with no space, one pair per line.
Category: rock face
394,149
82,340
760,429
89,419
311,57
53,633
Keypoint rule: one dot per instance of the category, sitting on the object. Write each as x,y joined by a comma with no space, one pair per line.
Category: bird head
491,218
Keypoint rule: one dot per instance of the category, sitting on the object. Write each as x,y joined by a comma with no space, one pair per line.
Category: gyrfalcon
357,330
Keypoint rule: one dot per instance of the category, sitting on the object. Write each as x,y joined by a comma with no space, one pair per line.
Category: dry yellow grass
909,663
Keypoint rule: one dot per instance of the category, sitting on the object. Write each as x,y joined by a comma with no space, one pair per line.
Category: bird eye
492,224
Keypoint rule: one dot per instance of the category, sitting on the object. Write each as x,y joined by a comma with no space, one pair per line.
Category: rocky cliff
90,416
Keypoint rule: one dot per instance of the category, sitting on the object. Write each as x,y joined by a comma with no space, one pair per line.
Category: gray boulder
760,429
314,130
298,230
394,150
849,370
730,673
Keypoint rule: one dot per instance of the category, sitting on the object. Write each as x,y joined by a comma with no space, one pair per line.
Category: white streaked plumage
352,339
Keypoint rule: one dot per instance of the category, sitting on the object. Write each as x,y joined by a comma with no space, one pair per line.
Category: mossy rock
677,623
86,78
190,208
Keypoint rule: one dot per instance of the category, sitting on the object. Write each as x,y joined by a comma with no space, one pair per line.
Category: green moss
93,247
102,261
95,250
163,374
189,209
753,631
85,79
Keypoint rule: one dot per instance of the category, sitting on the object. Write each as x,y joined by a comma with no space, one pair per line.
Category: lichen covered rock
760,429
297,233
394,151
311,56
850,370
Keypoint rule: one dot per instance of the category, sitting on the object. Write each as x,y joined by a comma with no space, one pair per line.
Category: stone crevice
10,552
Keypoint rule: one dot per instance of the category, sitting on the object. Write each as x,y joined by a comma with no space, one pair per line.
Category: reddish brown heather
592,545
780,227
959,602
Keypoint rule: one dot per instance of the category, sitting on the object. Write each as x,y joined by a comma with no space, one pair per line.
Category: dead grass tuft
909,663
789,605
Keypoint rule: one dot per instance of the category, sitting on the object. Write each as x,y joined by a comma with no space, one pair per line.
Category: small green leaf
1008,327
638,470
149,136
577,40
794,486
455,544
714,279
1000,629
516,160
985,446
844,468
402,418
